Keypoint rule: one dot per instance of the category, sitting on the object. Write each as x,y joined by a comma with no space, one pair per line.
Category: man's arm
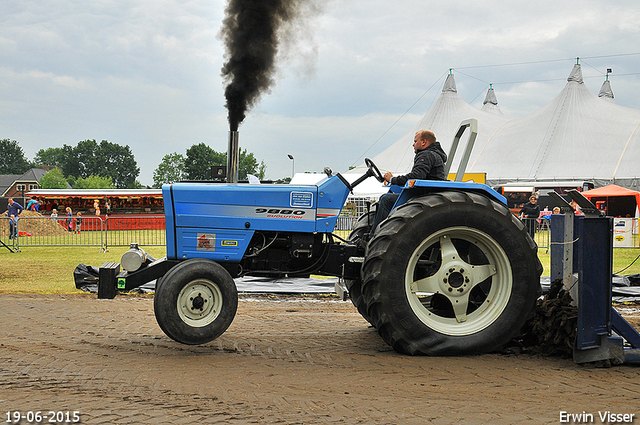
420,170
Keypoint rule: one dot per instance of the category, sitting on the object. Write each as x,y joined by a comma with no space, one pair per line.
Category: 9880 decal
52,417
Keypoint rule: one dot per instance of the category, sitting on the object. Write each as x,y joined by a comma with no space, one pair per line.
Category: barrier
46,231
6,238
92,231
145,230
542,231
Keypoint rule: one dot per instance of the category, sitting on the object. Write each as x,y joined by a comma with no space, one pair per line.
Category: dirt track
287,362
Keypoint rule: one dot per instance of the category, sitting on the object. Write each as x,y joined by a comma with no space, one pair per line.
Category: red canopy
612,191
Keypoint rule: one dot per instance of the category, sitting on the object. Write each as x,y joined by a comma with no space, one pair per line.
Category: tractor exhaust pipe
233,157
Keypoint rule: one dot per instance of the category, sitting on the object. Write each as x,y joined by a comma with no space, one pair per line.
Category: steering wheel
374,170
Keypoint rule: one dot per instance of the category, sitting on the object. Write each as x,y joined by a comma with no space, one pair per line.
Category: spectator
54,214
33,205
78,222
530,213
69,219
576,208
96,206
13,227
547,216
13,210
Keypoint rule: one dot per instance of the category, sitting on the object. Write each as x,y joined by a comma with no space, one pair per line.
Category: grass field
49,270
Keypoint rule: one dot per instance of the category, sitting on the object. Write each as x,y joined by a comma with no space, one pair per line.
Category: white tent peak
490,103
449,84
605,91
576,74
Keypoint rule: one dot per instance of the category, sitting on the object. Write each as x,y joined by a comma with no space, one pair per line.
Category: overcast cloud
146,73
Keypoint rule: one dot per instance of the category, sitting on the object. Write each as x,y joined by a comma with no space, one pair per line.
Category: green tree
89,157
117,162
12,159
54,179
199,159
248,164
94,182
170,170
54,157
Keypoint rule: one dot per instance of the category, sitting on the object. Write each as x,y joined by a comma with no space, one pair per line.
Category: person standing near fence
96,206
78,222
69,219
531,212
13,227
13,209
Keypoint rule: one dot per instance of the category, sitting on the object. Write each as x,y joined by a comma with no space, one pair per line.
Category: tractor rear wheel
196,301
450,273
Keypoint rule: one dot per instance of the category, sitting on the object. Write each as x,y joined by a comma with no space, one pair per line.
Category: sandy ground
284,361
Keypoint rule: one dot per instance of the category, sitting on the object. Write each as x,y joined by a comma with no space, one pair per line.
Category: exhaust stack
233,157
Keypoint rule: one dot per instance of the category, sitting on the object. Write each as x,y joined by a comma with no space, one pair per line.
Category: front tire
450,273
195,301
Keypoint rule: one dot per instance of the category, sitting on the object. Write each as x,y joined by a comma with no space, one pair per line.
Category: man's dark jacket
428,164
530,210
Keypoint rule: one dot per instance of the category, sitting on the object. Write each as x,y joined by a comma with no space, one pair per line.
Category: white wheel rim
477,291
199,303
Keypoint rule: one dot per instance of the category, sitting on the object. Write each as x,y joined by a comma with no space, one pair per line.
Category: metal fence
541,230
90,231
346,222
145,230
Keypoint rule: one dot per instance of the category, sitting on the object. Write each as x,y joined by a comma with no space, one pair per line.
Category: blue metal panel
437,185
624,329
594,294
244,206
169,219
332,194
214,244
224,217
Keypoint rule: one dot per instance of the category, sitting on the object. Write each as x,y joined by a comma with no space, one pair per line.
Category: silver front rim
199,303
458,281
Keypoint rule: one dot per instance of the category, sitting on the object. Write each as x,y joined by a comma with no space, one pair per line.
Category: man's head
10,201
423,139
556,210
533,199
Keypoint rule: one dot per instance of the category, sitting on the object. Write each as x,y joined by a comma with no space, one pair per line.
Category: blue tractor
451,271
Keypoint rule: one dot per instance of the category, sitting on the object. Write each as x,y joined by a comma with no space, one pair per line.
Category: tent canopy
576,136
619,201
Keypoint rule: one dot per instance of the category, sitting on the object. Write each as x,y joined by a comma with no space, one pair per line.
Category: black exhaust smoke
251,36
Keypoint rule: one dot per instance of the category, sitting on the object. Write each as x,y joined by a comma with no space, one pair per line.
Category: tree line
93,165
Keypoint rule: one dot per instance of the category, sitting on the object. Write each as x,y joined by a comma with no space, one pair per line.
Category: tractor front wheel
196,301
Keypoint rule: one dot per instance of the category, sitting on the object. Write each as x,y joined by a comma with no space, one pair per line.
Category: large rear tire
450,273
196,301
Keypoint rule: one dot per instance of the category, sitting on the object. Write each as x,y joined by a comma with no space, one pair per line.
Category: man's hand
387,177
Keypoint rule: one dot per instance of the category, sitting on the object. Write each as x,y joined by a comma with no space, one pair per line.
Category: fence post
103,234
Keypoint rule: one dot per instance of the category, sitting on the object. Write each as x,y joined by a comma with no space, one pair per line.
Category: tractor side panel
213,244
332,194
217,221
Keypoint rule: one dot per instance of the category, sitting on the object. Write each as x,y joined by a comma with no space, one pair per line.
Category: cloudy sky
353,76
